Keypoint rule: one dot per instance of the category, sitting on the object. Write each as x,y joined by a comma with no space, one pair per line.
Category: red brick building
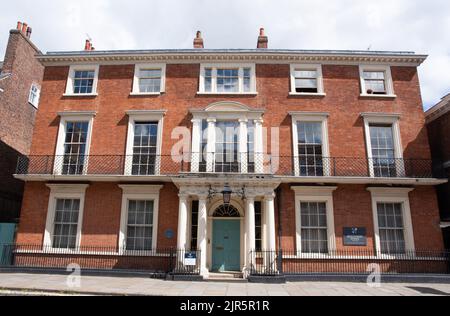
324,152
20,81
438,126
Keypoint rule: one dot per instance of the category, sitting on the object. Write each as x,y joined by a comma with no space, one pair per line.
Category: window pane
310,148
65,223
313,227
83,81
383,152
227,80
140,225
390,224
144,148
74,147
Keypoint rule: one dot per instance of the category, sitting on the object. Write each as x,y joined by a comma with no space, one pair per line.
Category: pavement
46,284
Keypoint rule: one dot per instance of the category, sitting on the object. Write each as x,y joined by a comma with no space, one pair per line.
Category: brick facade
438,126
16,117
352,201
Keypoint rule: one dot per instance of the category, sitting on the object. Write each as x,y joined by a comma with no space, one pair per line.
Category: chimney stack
198,41
23,28
88,46
263,40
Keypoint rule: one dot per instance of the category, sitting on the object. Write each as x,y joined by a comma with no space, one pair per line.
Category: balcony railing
155,165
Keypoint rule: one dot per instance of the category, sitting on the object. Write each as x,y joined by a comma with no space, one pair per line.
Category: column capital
250,198
183,196
196,120
269,196
258,121
202,197
243,120
211,120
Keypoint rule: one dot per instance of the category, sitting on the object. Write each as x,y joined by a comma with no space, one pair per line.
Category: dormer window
227,79
82,80
376,81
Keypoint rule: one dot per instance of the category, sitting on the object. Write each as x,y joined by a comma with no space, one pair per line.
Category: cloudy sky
422,26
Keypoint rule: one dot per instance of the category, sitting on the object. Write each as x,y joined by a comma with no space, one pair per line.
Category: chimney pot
24,28
198,41
19,26
29,31
263,40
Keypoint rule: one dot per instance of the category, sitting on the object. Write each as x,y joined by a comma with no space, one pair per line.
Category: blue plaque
169,233
355,236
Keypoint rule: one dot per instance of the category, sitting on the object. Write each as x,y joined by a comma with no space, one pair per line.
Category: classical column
259,146
270,234
182,222
243,138
250,230
196,139
211,147
202,233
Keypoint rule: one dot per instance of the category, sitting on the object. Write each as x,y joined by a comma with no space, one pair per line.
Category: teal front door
226,245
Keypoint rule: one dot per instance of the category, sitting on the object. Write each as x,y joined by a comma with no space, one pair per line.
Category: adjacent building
229,151
20,82
438,125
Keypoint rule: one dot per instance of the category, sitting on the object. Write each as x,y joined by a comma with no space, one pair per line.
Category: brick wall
17,115
16,118
101,218
346,135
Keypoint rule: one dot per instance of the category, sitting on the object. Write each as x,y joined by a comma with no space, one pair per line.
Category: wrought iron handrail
248,163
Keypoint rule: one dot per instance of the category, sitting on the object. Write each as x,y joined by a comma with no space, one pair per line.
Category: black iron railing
348,262
159,261
247,163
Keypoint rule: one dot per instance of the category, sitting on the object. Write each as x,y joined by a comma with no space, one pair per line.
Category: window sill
35,106
145,93
229,93
380,96
306,94
80,95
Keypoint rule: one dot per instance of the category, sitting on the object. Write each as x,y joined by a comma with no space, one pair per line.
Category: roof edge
220,55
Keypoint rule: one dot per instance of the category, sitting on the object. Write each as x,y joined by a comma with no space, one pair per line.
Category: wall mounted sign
190,259
355,236
169,233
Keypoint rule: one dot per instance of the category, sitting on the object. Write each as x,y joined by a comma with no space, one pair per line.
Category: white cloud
421,26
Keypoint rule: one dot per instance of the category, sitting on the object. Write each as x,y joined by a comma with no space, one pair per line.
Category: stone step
226,277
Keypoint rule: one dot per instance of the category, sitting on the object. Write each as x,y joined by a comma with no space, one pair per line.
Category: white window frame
143,193
72,116
136,78
389,119
214,68
311,117
144,116
70,80
314,194
314,67
392,195
389,84
63,191
34,103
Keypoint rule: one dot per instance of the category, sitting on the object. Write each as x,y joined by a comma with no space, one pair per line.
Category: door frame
212,208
